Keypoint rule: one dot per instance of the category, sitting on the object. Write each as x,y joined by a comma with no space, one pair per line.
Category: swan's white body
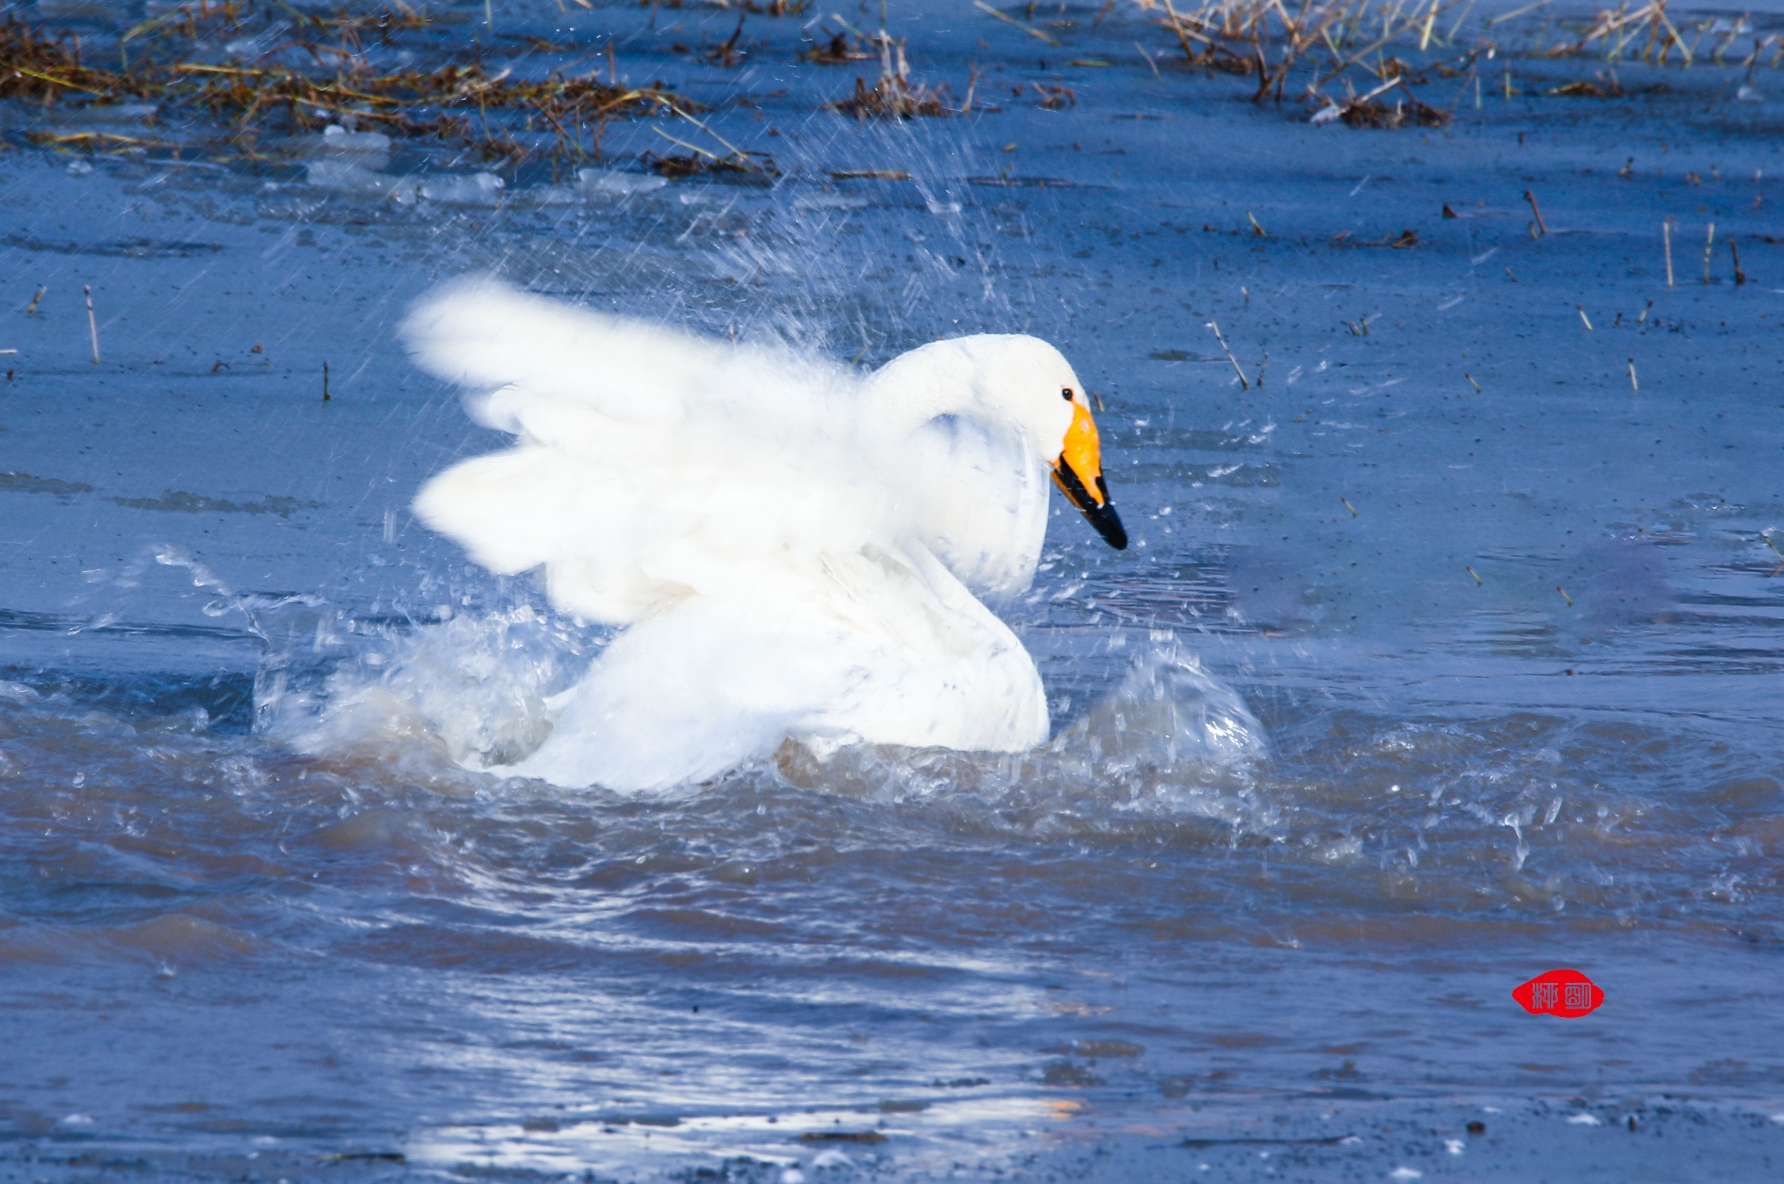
794,549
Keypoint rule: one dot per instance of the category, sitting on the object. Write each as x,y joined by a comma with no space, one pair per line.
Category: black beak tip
1108,524
1103,517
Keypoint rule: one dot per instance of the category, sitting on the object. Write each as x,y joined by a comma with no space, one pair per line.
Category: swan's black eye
1066,393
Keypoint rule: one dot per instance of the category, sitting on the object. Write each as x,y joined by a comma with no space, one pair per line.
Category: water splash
475,691
479,692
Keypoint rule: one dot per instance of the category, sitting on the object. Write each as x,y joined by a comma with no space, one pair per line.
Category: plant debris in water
1324,42
728,54
280,70
894,96
696,164
1409,112
835,52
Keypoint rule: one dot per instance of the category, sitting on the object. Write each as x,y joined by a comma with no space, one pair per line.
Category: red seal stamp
1566,993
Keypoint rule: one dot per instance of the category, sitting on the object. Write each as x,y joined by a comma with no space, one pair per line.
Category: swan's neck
970,377
960,416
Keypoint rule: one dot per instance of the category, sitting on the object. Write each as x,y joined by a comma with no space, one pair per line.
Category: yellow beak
1079,474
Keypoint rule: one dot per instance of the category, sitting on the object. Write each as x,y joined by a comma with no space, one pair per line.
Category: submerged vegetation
250,80
245,71
894,96
1309,50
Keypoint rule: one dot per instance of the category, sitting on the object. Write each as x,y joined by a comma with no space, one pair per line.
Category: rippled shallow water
343,940
1402,696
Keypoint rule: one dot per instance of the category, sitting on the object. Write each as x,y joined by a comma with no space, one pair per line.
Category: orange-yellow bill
1079,474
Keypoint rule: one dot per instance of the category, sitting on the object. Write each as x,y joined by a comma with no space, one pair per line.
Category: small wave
1170,743
1169,711
475,690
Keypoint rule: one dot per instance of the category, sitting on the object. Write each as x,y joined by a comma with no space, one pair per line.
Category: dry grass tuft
1321,43
692,165
1407,112
894,96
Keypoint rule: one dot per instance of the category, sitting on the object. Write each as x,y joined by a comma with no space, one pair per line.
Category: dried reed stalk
894,96
160,62
1332,40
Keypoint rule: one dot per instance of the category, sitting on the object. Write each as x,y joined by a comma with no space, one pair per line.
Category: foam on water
475,687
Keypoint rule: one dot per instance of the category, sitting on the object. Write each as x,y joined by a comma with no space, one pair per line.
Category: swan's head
1027,387
1078,471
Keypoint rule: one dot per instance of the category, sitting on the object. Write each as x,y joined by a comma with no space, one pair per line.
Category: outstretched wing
482,334
650,463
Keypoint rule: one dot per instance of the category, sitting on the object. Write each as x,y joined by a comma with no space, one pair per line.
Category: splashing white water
478,693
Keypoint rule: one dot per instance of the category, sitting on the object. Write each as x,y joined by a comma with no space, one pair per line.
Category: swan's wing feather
531,507
619,535
482,334
650,463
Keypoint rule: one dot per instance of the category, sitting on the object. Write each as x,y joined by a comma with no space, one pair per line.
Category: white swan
794,548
